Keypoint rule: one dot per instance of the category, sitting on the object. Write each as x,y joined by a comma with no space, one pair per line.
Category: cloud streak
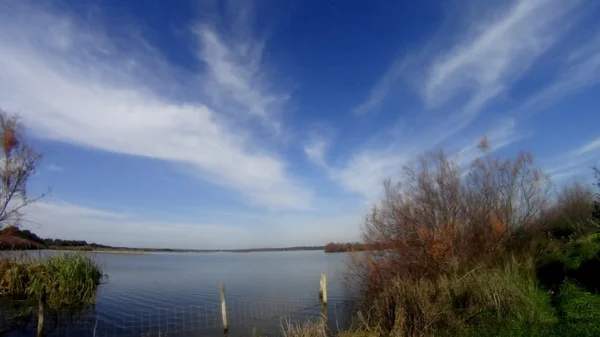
54,168
79,86
236,79
488,61
574,163
458,83
581,69
382,88
365,172
592,146
315,151
493,54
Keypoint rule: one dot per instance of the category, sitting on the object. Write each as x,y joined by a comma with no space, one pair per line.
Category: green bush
579,311
577,260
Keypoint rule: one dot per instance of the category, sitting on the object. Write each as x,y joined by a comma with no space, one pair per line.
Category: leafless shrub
440,219
571,214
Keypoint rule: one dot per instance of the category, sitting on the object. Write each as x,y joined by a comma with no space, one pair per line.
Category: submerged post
223,309
323,289
41,313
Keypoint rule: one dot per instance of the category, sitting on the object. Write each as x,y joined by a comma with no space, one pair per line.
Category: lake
177,294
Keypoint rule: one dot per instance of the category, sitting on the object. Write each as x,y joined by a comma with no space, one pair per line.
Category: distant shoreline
127,250
173,250
13,238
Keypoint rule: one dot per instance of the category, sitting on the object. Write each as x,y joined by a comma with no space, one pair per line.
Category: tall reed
67,280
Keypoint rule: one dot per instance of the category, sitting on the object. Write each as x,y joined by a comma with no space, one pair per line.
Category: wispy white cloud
75,222
77,86
591,146
581,69
489,57
574,163
55,168
69,209
315,151
561,173
459,82
382,88
486,62
237,81
365,172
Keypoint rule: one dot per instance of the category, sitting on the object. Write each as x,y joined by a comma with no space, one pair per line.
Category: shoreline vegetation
14,238
63,285
64,281
484,250
55,286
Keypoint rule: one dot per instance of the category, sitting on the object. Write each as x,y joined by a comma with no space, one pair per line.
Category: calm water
177,294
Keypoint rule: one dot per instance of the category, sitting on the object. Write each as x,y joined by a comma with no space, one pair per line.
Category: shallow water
177,294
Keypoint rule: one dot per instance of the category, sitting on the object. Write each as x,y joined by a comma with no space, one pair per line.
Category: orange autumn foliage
498,227
9,141
437,244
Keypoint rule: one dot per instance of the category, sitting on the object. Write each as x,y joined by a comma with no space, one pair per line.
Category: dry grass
318,328
313,328
450,304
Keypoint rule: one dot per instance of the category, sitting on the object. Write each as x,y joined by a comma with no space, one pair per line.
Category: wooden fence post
223,309
323,297
323,289
41,313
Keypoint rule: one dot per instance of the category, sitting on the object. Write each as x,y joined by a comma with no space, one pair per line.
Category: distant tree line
338,247
14,231
285,249
72,243
12,237
22,233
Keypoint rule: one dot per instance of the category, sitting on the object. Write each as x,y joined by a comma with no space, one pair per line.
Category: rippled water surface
177,294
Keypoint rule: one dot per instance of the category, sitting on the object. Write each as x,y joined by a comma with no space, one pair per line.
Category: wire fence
245,317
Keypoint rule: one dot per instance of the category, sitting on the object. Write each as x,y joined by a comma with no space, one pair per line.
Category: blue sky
210,124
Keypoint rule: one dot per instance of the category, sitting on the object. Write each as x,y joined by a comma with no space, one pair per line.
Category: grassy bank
502,301
66,281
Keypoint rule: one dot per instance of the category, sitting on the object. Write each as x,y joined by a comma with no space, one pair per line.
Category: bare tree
18,164
572,213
